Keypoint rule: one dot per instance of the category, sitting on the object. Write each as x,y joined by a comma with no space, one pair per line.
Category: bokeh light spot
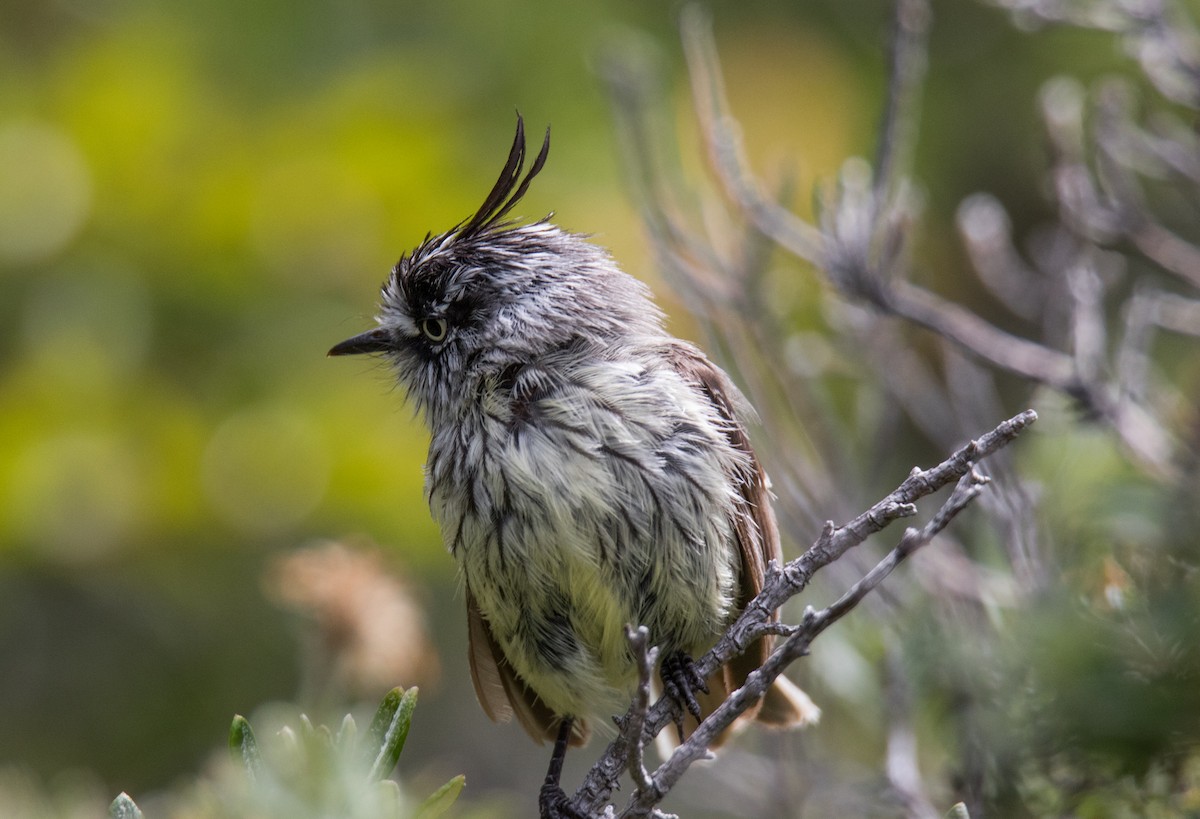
75,495
45,191
97,312
265,469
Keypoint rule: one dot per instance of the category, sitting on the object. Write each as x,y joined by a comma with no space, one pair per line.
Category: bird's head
464,306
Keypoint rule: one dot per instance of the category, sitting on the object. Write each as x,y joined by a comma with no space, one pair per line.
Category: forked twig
625,751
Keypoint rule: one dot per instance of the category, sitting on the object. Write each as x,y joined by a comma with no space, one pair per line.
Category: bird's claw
553,804
681,681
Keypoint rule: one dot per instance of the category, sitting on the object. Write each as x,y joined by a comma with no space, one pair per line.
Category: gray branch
781,585
859,243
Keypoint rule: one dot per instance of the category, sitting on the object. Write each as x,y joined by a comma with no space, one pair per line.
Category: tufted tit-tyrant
587,469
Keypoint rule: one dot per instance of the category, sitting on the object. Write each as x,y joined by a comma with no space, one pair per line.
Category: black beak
372,341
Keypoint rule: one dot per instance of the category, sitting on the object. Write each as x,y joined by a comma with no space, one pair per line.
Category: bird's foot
681,681
552,799
553,804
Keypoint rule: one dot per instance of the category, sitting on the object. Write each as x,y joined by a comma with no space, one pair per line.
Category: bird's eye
434,329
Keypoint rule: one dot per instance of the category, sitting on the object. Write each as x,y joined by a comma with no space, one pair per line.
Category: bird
587,469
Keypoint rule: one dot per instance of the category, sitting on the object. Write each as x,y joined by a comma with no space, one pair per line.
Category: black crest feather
509,188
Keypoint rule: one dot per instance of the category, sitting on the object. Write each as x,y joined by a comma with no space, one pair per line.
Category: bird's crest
509,188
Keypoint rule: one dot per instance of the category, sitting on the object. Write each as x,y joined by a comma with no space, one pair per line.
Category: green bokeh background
198,199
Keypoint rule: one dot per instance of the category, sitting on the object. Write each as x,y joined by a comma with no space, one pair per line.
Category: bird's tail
787,706
784,706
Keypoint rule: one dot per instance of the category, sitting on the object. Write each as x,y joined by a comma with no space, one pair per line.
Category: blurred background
198,199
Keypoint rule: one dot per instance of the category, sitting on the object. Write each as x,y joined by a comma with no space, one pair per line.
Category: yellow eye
434,329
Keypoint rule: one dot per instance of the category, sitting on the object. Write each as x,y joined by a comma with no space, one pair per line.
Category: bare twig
1161,39
635,720
780,585
1168,250
986,232
983,340
859,243
1147,312
842,247
1108,175
797,646
725,147
906,70
1123,151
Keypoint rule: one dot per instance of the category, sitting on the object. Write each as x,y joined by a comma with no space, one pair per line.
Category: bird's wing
757,536
754,521
501,691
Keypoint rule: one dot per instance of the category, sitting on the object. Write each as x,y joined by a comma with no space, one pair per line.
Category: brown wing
754,521
501,691
758,543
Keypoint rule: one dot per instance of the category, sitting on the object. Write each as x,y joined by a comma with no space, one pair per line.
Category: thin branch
986,232
906,71
845,238
836,541
983,340
1088,328
781,585
635,720
1167,249
859,250
1123,153
723,140
1155,33
1148,311
797,646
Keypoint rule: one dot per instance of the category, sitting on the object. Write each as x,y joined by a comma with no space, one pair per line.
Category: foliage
313,772
1049,646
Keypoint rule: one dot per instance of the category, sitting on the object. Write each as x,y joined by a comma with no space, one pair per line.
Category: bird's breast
573,512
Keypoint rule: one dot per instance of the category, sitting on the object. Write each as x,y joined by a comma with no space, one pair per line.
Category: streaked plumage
586,468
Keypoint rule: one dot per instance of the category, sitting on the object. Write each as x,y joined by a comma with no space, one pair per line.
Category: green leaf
346,734
393,799
959,811
389,730
123,807
287,736
442,799
315,737
243,745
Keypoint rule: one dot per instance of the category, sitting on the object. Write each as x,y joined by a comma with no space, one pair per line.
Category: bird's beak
372,341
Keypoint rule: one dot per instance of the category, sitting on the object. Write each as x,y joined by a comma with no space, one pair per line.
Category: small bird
587,470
